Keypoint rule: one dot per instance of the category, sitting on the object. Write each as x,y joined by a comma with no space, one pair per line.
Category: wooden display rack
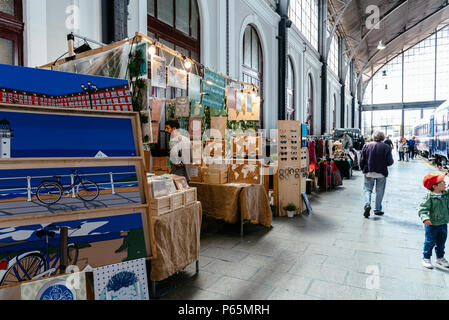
289,165
55,163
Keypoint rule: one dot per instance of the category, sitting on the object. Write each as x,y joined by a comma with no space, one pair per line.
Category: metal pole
72,180
29,188
63,238
403,112
112,183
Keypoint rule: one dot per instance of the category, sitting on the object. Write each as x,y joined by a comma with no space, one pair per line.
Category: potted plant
291,210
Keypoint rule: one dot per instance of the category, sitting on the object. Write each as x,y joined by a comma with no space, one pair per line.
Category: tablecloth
177,236
233,203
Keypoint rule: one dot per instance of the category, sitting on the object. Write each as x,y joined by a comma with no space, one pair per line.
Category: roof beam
383,18
334,27
403,32
400,106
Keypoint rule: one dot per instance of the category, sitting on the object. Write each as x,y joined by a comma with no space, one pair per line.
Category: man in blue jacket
374,162
411,148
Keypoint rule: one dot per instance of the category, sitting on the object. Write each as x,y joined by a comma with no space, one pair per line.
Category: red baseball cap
431,179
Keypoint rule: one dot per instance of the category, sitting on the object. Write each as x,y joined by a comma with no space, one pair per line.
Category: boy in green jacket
434,212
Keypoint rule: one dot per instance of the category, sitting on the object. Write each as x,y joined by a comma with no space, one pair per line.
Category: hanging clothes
321,154
312,156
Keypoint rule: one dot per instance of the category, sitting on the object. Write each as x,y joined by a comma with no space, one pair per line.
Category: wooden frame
11,28
41,163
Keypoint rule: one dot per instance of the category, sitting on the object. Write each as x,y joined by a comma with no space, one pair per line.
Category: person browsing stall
179,150
434,213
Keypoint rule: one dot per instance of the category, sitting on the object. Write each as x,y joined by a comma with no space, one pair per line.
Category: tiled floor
333,254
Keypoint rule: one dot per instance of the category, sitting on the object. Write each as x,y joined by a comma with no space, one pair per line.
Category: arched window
334,113
11,32
291,107
252,66
310,102
176,24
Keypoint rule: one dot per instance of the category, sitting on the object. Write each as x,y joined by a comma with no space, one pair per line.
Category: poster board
247,107
68,287
96,249
247,144
122,281
289,165
29,86
218,127
246,171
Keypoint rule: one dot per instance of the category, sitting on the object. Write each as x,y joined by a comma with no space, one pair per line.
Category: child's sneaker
427,263
442,262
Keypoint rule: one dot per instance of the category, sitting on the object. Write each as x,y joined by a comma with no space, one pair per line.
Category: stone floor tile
232,269
241,289
326,290
285,294
231,255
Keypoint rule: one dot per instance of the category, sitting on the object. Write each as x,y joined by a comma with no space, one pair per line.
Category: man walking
411,147
374,162
389,142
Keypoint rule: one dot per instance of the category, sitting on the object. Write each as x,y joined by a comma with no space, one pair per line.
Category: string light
187,64
152,50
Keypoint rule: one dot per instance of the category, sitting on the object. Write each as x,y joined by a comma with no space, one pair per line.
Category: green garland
138,86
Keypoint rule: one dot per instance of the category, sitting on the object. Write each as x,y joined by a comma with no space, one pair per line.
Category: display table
235,203
345,167
177,236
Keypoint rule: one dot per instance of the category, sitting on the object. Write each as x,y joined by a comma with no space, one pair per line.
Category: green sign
142,47
212,102
194,87
214,78
214,90
218,112
196,110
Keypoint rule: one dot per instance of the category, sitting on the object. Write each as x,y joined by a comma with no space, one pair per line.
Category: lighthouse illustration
5,139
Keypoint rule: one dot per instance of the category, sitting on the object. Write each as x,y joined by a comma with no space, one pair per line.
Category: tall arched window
252,66
11,32
310,103
334,113
291,107
176,24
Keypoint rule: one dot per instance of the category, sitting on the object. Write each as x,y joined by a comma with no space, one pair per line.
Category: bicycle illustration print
37,264
50,191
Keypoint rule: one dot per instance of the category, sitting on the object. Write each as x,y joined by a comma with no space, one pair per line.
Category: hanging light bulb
384,73
152,50
187,64
386,87
381,46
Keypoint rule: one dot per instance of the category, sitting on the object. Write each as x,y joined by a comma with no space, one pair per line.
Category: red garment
312,158
321,154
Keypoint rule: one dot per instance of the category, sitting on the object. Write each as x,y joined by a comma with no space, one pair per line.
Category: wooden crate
190,196
195,173
178,200
162,205
215,176
159,171
160,161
